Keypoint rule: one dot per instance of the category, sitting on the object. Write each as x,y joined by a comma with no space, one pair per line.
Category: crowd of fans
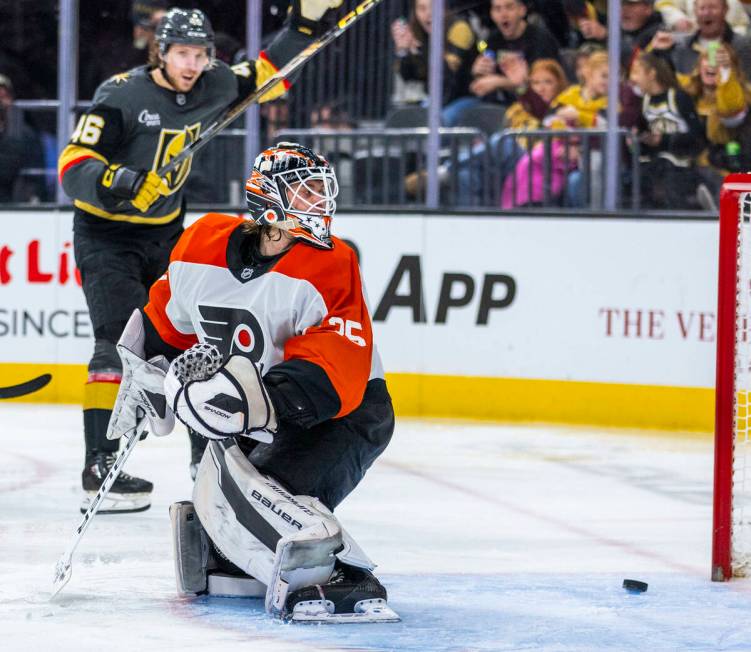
684,95
684,98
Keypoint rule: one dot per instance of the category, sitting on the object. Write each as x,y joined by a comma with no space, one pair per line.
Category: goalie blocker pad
287,542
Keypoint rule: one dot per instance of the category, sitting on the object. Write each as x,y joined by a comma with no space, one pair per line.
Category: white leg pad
231,586
351,552
284,541
191,549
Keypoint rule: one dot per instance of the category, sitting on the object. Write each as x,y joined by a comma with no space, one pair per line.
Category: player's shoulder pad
205,241
313,264
219,74
118,90
333,272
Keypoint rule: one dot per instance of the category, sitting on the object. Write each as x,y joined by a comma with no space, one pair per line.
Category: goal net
731,533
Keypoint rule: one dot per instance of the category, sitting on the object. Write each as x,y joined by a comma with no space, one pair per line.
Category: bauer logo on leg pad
256,495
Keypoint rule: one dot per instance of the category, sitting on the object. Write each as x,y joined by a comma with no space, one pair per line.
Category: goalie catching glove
142,387
233,402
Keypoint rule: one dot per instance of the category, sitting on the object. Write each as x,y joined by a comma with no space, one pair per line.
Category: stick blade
63,573
29,387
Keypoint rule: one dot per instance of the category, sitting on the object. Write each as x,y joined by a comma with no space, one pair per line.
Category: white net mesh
741,541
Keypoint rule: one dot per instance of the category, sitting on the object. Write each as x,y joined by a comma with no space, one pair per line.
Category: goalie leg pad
191,549
282,540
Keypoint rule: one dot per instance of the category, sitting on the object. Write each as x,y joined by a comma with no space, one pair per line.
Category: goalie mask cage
731,527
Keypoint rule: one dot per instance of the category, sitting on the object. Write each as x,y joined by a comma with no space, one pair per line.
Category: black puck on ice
635,586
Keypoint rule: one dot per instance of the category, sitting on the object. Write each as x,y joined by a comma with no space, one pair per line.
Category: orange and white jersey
305,305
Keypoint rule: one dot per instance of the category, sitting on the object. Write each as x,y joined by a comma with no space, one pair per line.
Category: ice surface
488,538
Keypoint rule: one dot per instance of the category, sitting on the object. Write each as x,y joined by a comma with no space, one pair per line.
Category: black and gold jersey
136,123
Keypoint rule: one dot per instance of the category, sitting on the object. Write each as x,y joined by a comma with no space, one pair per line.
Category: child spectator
576,107
584,105
546,81
674,135
412,45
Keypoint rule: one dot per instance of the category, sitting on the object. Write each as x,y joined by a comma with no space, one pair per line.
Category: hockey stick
30,386
64,566
285,71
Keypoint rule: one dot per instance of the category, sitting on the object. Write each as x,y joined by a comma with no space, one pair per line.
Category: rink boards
603,321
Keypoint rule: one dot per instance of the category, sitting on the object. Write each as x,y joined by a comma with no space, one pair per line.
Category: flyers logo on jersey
171,143
234,331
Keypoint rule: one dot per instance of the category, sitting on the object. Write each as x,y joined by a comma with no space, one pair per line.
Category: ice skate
128,494
352,595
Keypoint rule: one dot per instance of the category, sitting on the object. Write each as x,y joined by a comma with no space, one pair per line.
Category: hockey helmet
185,27
293,188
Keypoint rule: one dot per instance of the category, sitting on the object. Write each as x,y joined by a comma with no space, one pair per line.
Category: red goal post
731,527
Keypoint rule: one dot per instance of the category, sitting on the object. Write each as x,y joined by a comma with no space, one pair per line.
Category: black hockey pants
116,277
328,460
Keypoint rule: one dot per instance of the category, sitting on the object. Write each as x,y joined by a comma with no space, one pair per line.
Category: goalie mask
293,188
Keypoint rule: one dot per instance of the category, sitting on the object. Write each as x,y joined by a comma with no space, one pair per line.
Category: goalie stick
197,363
64,566
285,71
29,387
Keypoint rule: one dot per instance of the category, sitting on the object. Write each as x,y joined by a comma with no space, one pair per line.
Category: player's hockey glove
142,387
233,402
306,15
140,187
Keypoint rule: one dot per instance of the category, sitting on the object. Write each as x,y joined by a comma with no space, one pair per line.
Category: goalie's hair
249,228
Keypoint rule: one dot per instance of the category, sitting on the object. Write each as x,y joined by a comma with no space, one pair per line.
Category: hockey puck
635,586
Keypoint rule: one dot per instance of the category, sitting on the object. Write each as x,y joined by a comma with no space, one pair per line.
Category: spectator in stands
552,14
712,27
546,81
20,148
332,116
581,59
576,12
639,23
722,96
104,54
679,15
583,105
513,41
145,15
275,117
228,49
673,137
412,44
576,107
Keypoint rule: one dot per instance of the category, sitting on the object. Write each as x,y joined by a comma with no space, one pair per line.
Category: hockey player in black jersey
126,218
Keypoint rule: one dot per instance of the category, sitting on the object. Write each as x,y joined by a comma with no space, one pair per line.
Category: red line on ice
546,518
